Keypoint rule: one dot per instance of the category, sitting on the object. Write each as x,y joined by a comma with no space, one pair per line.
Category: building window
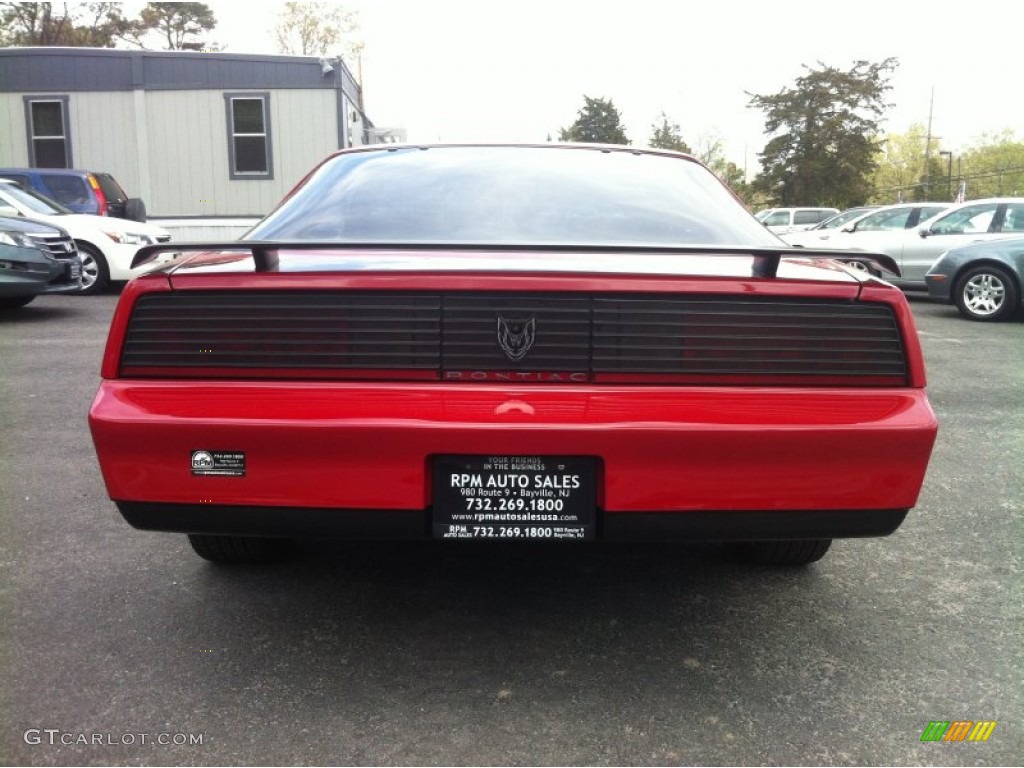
49,144
249,135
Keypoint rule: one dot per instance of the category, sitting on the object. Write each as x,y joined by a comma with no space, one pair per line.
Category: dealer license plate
514,497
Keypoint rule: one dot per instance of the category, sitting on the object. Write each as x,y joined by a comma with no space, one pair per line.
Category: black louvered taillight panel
465,335
707,336
285,329
553,329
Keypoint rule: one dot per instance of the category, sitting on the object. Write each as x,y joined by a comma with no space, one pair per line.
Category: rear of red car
495,390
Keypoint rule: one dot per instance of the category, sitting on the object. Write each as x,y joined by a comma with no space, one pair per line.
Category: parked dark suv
81,191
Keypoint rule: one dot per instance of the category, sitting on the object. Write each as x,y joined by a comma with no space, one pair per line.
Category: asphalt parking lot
123,647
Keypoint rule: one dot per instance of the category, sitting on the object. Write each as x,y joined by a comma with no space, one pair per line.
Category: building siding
13,151
111,148
157,122
194,151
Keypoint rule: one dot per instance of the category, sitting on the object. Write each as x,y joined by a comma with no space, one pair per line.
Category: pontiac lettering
553,377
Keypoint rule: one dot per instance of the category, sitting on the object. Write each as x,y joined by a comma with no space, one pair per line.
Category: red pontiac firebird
562,342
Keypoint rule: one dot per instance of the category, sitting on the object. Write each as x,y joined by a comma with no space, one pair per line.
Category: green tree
597,122
994,167
179,26
93,25
318,29
822,150
667,135
711,151
900,173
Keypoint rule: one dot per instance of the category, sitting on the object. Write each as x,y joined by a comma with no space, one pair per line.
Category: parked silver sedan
890,218
984,280
915,250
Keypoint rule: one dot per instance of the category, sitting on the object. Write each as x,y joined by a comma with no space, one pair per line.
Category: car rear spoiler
766,260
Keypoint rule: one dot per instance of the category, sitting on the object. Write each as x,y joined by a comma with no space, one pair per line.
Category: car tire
15,302
789,553
235,550
95,273
135,210
861,267
987,293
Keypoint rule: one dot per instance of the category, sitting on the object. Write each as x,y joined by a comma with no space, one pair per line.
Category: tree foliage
992,168
178,25
94,25
667,135
902,173
318,29
598,122
103,25
823,148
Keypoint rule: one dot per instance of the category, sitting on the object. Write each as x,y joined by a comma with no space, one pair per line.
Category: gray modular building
194,134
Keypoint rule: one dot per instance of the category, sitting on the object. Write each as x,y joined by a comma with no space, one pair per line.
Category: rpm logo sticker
219,463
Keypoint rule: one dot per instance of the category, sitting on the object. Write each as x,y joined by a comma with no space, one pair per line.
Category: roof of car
67,171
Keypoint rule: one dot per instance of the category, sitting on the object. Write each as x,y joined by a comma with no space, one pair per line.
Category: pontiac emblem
516,336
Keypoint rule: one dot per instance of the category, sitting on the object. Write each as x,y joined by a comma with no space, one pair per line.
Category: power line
1018,169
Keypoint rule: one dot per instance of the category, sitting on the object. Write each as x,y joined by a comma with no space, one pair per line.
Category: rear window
67,189
33,201
111,189
809,217
513,195
21,179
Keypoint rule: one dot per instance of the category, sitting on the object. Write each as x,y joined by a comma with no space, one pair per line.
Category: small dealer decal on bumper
220,463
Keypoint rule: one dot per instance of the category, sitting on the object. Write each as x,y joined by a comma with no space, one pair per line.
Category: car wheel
789,553
13,302
862,267
95,274
233,550
987,293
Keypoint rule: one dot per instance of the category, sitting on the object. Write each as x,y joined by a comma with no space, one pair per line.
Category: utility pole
928,150
949,172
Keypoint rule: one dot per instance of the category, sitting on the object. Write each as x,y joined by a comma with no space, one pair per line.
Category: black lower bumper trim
753,525
716,525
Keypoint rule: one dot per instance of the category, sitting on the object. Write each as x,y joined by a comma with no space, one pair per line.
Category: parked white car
888,218
915,250
107,245
783,220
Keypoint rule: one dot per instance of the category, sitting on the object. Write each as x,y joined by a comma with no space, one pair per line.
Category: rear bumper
318,453
718,525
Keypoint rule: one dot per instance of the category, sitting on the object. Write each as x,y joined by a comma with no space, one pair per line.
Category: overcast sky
517,71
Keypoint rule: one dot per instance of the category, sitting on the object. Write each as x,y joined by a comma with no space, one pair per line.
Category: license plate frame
514,497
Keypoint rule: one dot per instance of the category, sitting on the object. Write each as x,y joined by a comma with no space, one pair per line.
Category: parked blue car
90,192
983,279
